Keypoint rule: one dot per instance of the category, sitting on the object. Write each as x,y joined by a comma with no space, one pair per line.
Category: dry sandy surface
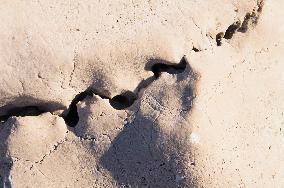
157,93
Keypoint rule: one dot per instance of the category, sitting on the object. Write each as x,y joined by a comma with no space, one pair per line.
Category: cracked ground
142,93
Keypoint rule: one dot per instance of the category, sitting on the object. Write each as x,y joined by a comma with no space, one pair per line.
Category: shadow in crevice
195,49
27,106
122,101
219,37
157,66
22,111
71,117
232,29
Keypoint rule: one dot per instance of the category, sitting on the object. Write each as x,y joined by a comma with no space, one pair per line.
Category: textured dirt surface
142,93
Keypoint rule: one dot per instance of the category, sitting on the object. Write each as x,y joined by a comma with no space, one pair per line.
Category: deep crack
158,68
232,29
195,49
119,102
72,117
123,100
22,111
219,37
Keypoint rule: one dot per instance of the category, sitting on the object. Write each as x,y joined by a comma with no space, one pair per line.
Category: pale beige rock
31,138
50,51
218,123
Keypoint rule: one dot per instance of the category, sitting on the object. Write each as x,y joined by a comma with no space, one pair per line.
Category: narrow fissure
232,29
245,24
195,49
158,68
219,37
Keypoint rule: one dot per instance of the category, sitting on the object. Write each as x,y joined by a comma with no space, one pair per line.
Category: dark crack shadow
71,116
27,106
219,37
157,66
232,30
123,101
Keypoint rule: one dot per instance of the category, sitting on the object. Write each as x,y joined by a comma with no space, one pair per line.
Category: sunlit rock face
141,94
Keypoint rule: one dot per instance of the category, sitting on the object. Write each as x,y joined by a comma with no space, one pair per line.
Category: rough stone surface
153,93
